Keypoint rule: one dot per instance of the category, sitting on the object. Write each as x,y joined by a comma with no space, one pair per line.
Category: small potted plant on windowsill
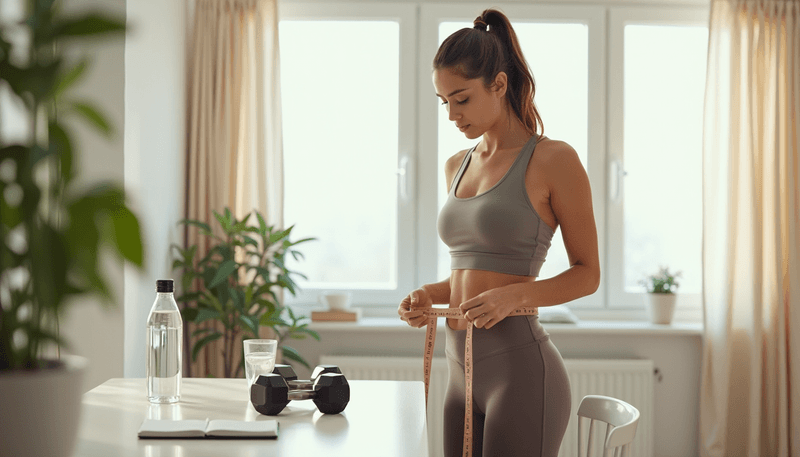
661,297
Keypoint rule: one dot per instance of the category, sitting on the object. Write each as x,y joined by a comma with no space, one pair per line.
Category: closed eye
460,103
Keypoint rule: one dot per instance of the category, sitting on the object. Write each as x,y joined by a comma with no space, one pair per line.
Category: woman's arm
438,291
571,201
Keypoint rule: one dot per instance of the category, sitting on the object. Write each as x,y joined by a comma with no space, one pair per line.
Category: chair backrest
621,419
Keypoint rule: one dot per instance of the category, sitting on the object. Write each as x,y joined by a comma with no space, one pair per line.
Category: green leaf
202,342
263,272
93,116
32,82
225,270
62,146
223,294
286,282
262,289
250,322
189,314
200,331
241,225
313,333
275,237
199,224
292,354
211,301
206,314
70,77
90,24
262,224
270,320
127,236
237,296
302,241
223,222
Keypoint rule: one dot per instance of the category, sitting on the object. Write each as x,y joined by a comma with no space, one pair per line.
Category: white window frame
406,15
418,155
688,306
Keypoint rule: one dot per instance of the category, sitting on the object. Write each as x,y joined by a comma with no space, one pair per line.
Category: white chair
621,420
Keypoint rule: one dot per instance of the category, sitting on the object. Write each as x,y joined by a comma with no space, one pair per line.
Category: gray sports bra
498,230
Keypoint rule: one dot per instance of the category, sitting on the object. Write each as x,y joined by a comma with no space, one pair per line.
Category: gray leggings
520,387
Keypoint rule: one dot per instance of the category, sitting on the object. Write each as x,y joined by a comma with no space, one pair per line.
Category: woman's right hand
418,298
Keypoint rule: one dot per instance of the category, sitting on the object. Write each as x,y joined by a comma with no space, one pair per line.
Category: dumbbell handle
300,384
302,394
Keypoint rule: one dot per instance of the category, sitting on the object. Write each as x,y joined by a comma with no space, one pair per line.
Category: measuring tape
430,339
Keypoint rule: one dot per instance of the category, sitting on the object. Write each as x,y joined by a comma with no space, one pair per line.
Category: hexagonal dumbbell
288,374
270,393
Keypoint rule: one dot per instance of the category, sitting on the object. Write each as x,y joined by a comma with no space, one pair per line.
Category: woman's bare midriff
467,284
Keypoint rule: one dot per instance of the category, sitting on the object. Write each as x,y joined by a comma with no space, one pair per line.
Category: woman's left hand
488,308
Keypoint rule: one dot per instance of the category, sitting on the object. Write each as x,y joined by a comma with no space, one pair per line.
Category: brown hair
486,49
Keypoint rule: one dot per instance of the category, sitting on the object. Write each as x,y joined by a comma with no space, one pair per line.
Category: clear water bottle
164,346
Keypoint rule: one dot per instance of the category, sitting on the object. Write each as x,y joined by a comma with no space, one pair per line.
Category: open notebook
218,428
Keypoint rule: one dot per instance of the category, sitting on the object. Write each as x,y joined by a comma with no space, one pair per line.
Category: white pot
661,307
41,409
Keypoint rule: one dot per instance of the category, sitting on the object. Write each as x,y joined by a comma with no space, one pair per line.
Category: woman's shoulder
452,165
556,155
454,162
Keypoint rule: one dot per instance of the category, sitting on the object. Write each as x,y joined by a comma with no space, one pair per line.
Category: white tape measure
430,339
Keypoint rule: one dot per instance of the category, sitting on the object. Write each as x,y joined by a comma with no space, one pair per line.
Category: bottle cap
164,285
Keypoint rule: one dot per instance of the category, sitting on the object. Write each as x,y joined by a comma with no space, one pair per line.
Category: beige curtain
235,155
750,394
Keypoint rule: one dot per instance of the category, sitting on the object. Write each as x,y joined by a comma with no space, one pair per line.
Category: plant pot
661,307
41,408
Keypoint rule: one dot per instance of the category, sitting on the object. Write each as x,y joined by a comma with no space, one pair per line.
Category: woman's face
473,108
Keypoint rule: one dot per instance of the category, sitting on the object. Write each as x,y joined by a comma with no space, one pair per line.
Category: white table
384,418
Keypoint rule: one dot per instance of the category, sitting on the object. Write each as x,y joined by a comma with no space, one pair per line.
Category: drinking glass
259,358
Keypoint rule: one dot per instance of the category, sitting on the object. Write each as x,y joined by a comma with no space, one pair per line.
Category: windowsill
584,327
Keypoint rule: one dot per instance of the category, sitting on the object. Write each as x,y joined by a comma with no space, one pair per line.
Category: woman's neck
508,133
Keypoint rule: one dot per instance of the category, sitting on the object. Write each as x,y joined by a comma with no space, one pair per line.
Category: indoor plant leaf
202,342
225,270
91,114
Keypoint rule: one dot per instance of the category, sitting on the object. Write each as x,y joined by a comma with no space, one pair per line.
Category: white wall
155,138
91,330
139,83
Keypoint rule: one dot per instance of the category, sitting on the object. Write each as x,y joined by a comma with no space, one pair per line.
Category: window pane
561,77
664,85
340,150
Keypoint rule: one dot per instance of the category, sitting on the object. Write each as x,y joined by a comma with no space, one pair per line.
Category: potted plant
235,285
660,298
50,230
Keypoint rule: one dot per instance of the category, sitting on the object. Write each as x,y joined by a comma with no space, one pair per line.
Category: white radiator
626,379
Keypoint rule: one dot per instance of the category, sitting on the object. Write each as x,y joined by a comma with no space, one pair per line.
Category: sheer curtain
235,155
750,393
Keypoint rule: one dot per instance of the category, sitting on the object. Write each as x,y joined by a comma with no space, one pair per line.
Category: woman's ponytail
486,49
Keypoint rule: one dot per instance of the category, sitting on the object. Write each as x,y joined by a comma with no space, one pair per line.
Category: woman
504,204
